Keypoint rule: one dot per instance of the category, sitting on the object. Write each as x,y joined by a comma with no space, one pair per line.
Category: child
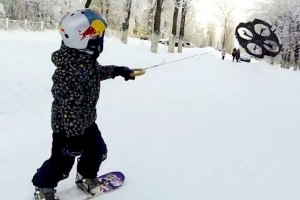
76,88
223,54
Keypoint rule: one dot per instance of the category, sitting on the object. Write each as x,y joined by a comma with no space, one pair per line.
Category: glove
74,146
124,72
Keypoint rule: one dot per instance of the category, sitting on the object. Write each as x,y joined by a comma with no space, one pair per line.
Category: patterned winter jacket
76,88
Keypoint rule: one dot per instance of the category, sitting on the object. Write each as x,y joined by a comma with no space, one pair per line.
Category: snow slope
198,129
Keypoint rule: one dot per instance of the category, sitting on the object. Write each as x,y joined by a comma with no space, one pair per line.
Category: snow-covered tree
184,9
157,24
211,35
172,37
226,18
193,30
125,23
37,10
286,22
166,17
2,11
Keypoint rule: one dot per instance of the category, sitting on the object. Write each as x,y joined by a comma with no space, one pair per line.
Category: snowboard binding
45,194
91,187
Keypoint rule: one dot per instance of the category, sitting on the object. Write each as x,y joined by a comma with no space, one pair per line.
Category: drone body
258,38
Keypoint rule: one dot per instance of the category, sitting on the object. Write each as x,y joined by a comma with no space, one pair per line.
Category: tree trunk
283,58
125,24
288,59
107,10
154,42
289,53
88,3
135,29
297,47
182,26
209,43
282,65
150,21
101,6
165,27
156,33
179,49
211,34
283,50
224,39
272,61
174,27
296,55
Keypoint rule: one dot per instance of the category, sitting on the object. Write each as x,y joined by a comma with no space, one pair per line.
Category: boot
45,194
89,186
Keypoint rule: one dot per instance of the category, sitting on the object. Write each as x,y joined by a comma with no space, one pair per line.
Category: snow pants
58,166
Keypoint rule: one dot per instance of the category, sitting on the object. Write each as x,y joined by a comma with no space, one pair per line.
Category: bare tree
101,6
211,36
104,8
157,20
192,28
125,23
172,37
150,22
166,18
297,46
227,23
182,25
107,9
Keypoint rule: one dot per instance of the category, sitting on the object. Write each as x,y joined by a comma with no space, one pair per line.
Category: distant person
223,54
238,55
233,54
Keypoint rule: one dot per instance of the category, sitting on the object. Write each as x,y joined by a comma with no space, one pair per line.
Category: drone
258,38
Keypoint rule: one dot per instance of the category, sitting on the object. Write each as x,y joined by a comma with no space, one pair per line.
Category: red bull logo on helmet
79,27
96,28
61,29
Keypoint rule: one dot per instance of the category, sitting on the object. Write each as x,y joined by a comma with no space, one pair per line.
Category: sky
207,13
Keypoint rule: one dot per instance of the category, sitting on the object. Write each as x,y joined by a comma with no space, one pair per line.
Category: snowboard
110,182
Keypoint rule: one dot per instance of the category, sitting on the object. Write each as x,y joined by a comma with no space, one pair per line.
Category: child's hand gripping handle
137,72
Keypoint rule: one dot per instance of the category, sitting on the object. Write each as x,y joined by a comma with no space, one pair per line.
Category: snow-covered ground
198,129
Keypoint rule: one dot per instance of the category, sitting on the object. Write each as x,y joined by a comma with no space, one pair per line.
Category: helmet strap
96,52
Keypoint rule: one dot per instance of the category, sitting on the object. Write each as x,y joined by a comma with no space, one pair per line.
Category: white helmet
82,29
